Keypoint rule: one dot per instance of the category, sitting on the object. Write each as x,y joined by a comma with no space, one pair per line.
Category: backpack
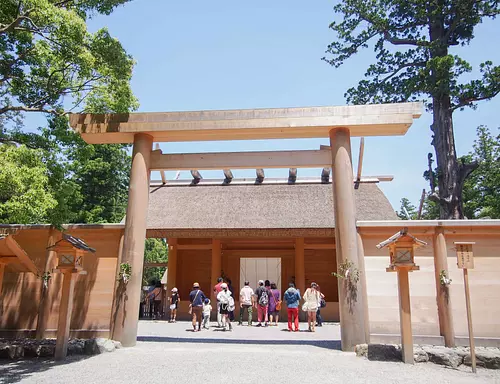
230,304
264,298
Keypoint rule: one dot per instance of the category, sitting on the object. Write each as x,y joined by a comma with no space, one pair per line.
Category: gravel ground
179,356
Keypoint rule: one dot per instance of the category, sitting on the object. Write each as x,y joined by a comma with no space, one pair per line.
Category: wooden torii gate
338,123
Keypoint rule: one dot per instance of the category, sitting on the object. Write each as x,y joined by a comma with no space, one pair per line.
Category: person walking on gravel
217,289
226,305
174,300
196,297
262,303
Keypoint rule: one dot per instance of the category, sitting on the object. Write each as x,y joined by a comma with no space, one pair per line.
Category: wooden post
44,307
65,310
134,237
362,283
216,264
445,312
172,264
469,320
405,315
351,304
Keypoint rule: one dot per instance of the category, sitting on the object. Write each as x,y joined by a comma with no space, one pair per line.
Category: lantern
402,247
70,251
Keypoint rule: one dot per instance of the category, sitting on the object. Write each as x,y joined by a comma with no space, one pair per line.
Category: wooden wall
484,287
93,292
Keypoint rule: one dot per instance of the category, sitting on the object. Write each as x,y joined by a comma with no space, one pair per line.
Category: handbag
322,303
278,303
304,307
172,306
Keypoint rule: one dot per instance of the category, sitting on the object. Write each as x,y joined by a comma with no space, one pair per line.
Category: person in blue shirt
197,298
292,299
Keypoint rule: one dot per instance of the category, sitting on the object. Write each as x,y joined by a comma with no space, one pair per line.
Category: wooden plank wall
93,292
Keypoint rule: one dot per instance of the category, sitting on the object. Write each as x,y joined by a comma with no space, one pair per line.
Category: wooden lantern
70,251
402,247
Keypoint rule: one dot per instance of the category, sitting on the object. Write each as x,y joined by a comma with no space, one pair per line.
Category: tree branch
417,64
396,41
21,108
470,100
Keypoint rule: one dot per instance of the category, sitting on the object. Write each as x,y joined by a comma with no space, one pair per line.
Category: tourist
217,289
231,289
155,300
174,300
226,305
207,308
247,301
292,299
196,297
321,304
311,299
262,303
274,304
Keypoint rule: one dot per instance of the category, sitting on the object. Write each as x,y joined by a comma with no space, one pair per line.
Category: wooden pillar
134,237
300,273
362,283
442,292
2,272
65,310
216,265
44,307
172,265
405,316
351,304
118,289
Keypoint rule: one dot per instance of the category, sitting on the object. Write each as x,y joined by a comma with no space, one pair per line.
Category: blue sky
195,55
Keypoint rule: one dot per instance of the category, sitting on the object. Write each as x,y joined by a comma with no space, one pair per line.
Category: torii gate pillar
126,323
352,305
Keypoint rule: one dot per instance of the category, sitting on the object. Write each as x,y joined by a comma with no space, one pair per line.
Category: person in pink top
217,289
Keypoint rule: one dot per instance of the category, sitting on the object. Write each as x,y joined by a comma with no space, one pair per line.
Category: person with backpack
226,301
321,304
262,303
292,299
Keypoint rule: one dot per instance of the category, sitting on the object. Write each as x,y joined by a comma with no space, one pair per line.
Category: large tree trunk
450,181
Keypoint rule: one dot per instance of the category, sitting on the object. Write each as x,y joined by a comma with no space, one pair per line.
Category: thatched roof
266,206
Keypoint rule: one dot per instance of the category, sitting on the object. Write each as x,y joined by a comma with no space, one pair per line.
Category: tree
407,211
25,193
48,59
413,42
155,251
482,188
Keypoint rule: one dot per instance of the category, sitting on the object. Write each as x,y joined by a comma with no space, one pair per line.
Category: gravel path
199,358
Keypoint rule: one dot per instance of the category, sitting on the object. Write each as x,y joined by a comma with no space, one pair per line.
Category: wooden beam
325,174
360,162
260,174
228,175
309,122
240,160
319,246
193,246
421,205
21,254
292,174
162,173
153,265
9,260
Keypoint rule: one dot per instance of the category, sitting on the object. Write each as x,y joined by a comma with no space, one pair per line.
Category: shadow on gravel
327,344
13,371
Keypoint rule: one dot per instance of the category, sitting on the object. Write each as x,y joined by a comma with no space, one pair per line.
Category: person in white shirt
247,302
226,305
207,308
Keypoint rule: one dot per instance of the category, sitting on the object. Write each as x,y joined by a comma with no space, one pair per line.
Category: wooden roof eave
21,254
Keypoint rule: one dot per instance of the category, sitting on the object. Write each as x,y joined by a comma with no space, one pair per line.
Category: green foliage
48,57
412,41
482,188
156,251
25,195
411,210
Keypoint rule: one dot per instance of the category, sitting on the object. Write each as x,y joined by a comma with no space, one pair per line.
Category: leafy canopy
411,40
50,62
25,193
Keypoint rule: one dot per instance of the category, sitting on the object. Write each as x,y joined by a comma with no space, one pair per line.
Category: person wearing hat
173,301
196,297
226,305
